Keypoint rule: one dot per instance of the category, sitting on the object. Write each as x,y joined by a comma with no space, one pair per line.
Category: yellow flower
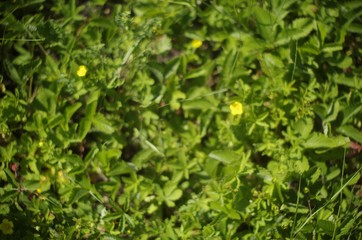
7,227
196,43
236,108
82,71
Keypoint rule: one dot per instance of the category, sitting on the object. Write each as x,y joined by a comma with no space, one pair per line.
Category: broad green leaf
355,28
226,157
229,65
84,127
318,140
175,195
70,110
350,81
142,156
176,97
86,122
46,100
77,193
332,112
4,209
56,120
345,229
201,104
265,21
351,132
12,71
354,179
11,176
171,68
335,173
350,111
326,225
113,216
100,123
302,27
304,127
53,66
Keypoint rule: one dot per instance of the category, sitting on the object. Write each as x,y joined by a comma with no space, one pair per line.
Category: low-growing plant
180,119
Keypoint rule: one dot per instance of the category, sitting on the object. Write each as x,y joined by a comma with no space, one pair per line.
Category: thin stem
296,208
340,196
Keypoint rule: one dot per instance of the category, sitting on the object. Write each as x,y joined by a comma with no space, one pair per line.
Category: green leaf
355,28
318,140
77,193
332,112
101,124
46,100
201,104
12,71
350,111
11,176
120,169
327,226
226,157
265,21
333,174
86,122
345,230
304,26
351,132
113,216
175,195
354,179
70,110
304,126
176,96
142,156
349,81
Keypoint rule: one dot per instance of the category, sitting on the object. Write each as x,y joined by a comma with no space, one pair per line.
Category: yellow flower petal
196,43
236,108
82,71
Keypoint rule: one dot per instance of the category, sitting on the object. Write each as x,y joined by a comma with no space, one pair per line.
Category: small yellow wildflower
196,43
7,227
236,108
41,143
82,71
38,190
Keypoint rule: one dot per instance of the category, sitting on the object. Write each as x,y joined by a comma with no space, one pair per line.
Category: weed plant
189,119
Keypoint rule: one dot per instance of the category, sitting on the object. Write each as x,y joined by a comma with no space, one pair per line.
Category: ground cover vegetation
192,119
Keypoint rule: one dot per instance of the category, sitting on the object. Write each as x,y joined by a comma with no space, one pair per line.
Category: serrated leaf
327,226
304,27
101,124
265,21
346,228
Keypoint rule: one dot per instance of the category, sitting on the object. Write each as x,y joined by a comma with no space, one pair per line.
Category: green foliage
144,145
